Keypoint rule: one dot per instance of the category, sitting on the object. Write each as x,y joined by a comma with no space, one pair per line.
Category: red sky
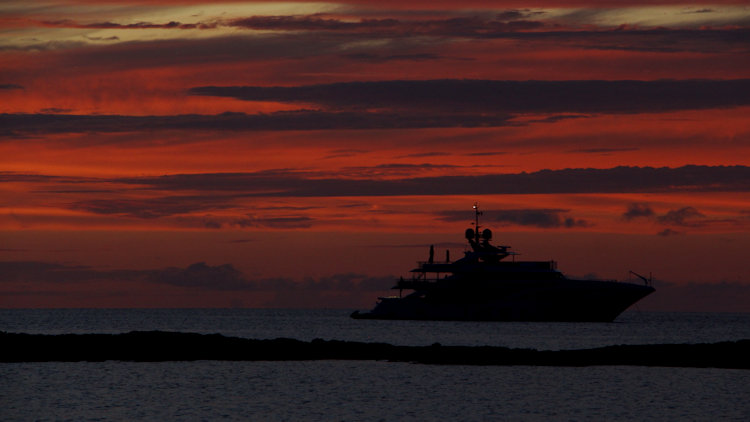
303,154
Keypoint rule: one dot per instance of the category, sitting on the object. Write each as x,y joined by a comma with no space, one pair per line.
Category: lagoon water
367,390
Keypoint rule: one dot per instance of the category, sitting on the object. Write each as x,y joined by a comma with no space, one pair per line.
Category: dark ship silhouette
482,287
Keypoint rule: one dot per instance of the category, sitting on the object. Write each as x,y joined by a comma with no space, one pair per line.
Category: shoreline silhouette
162,346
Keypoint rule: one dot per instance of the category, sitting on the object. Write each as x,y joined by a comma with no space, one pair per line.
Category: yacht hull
562,300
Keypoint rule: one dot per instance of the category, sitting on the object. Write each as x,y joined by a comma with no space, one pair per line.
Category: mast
477,213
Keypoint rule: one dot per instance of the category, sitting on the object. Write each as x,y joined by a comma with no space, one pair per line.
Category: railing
646,281
421,263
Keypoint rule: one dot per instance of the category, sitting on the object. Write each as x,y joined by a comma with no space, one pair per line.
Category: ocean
372,390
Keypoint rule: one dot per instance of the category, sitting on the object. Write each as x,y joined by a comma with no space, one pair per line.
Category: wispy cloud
669,232
638,210
451,27
67,23
545,218
685,216
153,207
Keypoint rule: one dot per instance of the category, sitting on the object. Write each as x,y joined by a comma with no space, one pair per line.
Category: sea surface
372,390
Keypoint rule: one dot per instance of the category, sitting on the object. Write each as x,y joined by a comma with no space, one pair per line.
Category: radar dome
469,233
487,234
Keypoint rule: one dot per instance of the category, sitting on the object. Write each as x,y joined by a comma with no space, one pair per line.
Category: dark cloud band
23,125
408,104
219,189
612,180
583,96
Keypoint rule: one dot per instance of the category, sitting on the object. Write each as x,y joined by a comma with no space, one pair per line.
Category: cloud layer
199,276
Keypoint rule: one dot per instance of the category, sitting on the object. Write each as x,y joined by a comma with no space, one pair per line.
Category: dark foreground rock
158,346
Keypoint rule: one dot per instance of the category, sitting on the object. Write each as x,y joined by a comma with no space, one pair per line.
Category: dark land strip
160,346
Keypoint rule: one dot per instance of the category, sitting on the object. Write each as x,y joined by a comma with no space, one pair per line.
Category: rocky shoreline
161,346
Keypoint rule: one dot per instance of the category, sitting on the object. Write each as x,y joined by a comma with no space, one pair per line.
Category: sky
307,154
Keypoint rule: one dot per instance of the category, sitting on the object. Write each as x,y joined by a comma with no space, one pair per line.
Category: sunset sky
305,154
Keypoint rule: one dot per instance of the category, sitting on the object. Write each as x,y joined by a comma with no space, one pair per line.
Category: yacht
486,285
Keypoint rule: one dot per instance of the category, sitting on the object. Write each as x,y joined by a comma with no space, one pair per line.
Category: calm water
343,390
